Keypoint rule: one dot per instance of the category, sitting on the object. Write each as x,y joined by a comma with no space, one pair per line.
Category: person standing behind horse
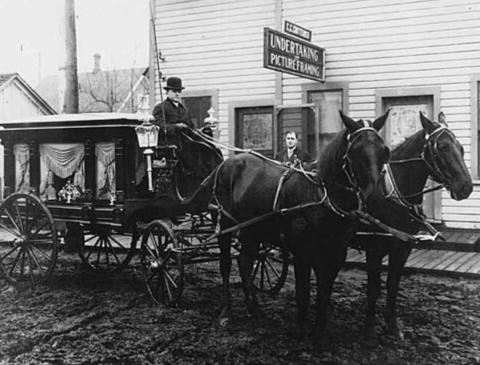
292,155
171,112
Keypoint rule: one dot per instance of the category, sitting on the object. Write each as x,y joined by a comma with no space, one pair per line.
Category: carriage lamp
212,123
147,135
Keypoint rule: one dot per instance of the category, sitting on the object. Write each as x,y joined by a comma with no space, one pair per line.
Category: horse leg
302,268
374,257
325,272
245,263
224,243
397,259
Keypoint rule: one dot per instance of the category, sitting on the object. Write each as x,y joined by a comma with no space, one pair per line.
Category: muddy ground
85,318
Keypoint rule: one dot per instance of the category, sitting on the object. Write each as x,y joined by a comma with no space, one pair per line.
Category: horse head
365,153
443,154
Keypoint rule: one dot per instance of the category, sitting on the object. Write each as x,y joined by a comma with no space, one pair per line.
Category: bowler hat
174,83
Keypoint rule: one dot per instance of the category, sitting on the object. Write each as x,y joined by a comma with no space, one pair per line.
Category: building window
325,122
198,103
254,129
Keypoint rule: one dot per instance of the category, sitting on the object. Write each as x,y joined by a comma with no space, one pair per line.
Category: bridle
347,163
430,149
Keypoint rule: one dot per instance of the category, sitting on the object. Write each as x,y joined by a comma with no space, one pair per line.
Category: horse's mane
410,143
330,161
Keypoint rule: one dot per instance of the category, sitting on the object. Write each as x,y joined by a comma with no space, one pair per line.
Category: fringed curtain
21,152
105,155
63,160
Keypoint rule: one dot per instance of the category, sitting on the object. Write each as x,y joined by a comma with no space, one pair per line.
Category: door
254,129
403,121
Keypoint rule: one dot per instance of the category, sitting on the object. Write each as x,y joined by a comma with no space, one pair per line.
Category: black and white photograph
273,182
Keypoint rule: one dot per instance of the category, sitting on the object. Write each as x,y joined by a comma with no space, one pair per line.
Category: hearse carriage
109,185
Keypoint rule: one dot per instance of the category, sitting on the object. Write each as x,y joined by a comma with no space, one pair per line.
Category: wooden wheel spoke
9,215
118,243
20,221
167,287
35,259
8,253
170,279
90,238
112,249
33,246
15,262
39,229
99,251
273,268
22,262
255,269
92,248
267,275
150,251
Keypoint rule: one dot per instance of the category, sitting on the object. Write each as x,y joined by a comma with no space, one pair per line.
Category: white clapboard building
407,55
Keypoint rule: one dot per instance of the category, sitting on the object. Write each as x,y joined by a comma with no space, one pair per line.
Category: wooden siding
217,44
374,44
16,103
370,44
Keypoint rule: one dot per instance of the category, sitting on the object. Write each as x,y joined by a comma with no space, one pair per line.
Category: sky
30,44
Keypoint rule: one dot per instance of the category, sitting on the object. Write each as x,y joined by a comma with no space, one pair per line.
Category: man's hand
181,125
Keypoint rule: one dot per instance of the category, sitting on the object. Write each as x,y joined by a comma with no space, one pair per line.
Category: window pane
198,107
257,131
329,103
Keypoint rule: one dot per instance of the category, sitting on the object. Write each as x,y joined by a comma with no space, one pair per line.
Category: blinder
430,149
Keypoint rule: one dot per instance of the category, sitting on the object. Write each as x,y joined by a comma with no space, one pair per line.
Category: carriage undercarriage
33,238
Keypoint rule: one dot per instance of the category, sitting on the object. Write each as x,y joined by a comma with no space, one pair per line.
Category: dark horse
249,186
433,151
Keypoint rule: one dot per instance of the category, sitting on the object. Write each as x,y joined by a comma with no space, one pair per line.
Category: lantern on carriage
147,135
212,123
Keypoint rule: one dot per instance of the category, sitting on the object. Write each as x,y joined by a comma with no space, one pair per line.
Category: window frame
475,125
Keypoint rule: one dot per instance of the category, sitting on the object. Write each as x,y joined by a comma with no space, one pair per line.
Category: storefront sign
297,30
285,53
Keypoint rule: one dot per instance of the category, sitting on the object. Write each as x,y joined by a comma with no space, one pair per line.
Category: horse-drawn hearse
105,185
114,186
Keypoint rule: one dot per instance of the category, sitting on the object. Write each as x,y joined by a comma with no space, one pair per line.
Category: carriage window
254,129
21,152
329,103
61,164
105,157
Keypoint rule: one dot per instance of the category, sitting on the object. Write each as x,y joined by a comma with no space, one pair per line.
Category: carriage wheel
270,268
103,250
162,263
28,243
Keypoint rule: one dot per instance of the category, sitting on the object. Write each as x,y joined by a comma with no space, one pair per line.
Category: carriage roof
72,121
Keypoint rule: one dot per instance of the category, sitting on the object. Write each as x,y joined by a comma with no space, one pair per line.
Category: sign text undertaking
294,56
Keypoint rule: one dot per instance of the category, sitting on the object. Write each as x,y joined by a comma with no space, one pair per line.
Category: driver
171,112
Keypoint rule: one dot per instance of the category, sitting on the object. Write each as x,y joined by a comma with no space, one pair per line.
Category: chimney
96,63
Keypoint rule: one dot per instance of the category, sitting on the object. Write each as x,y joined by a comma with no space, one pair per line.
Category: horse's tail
205,190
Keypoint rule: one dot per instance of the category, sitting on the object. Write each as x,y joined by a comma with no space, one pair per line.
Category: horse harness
322,192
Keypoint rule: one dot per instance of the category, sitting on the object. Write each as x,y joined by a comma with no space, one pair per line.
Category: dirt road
85,318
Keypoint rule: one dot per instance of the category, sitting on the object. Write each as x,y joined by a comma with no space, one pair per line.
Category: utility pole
70,99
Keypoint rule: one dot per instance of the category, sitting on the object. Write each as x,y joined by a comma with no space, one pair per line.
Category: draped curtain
63,160
105,156
21,152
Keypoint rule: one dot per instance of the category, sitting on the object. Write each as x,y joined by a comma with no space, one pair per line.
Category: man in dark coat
171,111
292,155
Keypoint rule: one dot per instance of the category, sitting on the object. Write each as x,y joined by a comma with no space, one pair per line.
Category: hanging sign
288,54
296,30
